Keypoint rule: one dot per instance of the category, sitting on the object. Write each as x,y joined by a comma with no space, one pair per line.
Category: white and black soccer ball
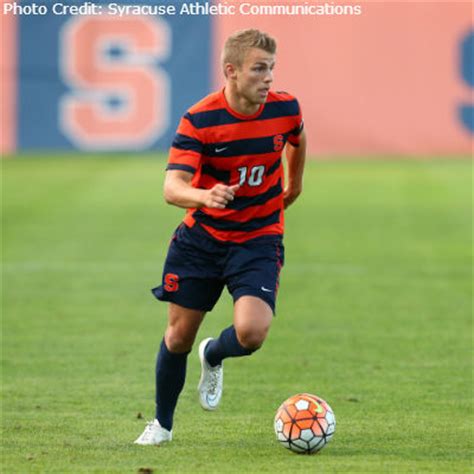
304,423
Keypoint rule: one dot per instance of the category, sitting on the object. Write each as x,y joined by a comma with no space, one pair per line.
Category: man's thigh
252,320
253,269
192,274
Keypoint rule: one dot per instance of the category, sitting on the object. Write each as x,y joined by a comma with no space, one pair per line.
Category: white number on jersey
254,178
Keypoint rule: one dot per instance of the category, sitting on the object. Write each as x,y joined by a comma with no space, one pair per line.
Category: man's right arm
179,191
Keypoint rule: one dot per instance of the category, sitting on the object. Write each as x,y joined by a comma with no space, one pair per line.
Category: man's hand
219,196
290,195
179,191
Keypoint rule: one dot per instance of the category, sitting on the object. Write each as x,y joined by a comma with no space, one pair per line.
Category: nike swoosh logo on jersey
265,289
218,150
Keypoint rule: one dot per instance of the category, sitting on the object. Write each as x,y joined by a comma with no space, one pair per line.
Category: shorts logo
171,282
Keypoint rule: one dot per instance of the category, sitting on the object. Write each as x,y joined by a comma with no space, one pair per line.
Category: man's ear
230,71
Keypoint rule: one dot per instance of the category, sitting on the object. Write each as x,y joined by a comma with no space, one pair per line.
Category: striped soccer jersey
219,145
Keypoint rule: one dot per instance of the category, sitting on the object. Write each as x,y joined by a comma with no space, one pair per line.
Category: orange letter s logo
119,98
278,142
171,282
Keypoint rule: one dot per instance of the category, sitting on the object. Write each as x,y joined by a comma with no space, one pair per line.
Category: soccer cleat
210,384
154,434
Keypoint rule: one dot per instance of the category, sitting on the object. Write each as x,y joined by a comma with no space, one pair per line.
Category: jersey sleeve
187,147
294,136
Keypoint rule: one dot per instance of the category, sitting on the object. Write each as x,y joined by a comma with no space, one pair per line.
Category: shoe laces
214,378
149,430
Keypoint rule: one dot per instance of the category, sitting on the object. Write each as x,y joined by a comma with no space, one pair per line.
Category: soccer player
225,168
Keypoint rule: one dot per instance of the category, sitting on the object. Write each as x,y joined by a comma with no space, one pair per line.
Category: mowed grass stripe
374,315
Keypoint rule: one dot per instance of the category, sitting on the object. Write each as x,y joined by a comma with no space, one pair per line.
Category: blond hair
238,43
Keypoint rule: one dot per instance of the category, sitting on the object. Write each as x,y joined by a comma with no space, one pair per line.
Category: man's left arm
295,156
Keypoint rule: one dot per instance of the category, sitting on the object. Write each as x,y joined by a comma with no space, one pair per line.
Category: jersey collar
237,114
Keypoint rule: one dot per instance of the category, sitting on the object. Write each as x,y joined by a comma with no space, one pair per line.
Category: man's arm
295,156
179,192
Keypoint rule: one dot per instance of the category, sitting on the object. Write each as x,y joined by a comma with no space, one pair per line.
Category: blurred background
395,80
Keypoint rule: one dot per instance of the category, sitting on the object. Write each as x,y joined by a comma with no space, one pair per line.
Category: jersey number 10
252,178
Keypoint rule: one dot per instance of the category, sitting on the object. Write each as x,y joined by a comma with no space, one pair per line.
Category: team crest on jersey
278,142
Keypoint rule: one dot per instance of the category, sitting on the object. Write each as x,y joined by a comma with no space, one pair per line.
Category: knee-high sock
226,345
170,376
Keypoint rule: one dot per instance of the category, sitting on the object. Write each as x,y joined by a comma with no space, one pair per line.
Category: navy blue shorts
198,267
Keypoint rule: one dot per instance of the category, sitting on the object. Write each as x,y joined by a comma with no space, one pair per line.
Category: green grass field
374,315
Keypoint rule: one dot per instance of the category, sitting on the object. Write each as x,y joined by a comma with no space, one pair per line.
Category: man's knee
252,319
178,341
183,325
251,338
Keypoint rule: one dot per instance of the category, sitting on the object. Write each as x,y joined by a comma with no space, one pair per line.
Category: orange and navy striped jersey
219,145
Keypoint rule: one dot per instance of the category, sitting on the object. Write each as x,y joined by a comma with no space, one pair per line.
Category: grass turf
374,315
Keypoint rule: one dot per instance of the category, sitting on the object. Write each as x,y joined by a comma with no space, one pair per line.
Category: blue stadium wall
106,82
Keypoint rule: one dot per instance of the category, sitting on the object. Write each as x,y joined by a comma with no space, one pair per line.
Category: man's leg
183,325
252,319
252,275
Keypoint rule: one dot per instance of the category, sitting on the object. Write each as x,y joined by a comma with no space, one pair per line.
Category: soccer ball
304,423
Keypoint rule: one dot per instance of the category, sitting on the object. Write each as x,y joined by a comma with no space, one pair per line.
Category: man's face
254,78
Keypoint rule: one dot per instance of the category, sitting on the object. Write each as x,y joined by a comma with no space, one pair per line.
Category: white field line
37,266
156,264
